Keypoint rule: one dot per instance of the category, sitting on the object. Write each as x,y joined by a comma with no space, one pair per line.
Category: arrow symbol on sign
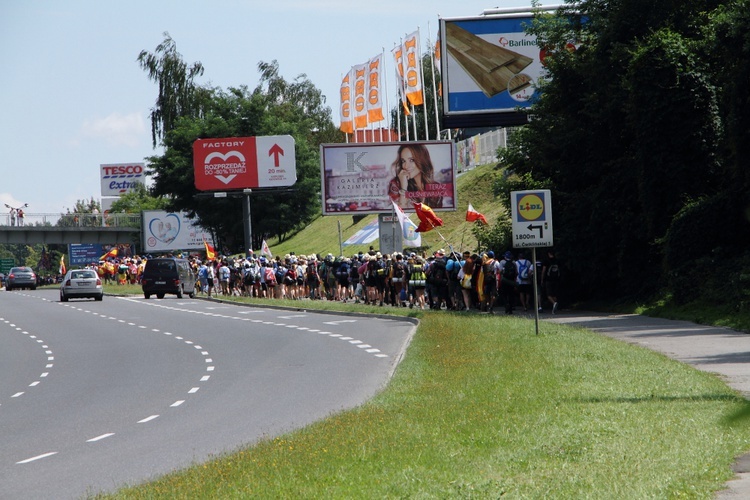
226,179
540,228
276,151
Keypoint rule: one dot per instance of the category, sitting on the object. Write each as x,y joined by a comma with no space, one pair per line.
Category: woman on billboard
414,178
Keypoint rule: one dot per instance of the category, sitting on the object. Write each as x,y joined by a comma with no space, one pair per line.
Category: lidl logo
530,207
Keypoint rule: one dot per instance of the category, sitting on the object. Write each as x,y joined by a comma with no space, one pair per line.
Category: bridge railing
73,220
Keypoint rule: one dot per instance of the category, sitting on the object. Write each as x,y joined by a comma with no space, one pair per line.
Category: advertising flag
360,99
398,58
265,250
409,235
62,264
210,251
374,89
427,218
346,104
472,215
413,69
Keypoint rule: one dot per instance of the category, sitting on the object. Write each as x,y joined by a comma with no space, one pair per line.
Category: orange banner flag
427,218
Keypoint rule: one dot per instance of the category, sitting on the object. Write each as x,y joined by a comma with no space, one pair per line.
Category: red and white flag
346,104
265,250
374,89
413,69
472,215
360,99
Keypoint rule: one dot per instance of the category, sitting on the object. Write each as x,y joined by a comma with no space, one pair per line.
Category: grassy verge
482,407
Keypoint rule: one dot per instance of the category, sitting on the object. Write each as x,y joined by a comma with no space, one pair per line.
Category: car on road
20,277
81,284
168,275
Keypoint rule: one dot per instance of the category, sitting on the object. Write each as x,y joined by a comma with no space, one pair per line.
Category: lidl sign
531,212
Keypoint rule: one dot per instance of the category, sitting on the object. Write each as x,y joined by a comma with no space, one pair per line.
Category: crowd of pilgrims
466,281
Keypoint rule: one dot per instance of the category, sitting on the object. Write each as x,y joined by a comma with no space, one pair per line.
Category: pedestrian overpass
70,228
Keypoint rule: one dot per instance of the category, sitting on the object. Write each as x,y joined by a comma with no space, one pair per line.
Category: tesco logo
122,169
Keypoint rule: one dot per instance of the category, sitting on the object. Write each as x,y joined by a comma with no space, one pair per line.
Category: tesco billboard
120,178
222,164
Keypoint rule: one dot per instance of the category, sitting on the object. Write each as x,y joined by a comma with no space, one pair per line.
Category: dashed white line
177,403
193,390
38,457
99,438
148,419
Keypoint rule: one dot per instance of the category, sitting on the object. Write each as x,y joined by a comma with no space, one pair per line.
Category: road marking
292,316
204,378
17,394
193,390
99,438
339,322
34,384
38,457
148,419
177,403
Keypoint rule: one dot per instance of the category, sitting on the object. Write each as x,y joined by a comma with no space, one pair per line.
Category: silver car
20,277
81,283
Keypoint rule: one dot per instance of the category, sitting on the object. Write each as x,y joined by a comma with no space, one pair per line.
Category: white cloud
116,129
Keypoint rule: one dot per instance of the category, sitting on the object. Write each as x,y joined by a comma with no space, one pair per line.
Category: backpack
417,277
270,278
398,270
525,271
553,273
343,271
489,272
280,273
437,274
510,272
312,272
290,278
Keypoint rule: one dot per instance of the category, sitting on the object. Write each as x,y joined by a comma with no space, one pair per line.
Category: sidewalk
711,349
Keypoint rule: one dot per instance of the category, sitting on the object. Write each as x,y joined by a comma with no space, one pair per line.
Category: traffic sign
244,162
531,212
6,264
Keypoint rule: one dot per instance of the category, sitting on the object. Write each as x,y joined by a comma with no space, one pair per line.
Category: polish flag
472,215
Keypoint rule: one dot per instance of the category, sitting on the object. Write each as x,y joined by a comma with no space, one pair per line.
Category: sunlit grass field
482,407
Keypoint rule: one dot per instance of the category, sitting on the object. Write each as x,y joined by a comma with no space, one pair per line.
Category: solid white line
38,457
148,419
99,438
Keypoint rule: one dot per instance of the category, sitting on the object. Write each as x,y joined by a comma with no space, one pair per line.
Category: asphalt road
96,395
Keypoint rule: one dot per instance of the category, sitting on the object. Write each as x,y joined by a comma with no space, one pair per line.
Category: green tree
627,130
275,107
178,95
137,200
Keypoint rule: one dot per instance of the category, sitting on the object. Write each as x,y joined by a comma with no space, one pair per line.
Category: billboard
120,178
489,69
364,178
244,162
167,231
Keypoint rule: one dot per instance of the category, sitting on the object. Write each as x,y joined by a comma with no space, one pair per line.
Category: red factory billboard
364,178
223,164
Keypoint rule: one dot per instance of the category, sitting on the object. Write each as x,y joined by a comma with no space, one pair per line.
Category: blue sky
72,95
